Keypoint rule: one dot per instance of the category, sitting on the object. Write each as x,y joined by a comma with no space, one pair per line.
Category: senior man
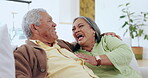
43,55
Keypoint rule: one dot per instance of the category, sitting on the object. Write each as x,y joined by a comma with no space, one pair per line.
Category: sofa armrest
144,71
7,68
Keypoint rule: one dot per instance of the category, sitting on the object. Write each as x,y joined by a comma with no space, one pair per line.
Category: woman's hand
89,59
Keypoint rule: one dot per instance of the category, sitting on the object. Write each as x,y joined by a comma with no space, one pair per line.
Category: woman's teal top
119,53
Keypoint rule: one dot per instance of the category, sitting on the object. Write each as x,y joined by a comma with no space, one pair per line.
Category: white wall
69,9
107,17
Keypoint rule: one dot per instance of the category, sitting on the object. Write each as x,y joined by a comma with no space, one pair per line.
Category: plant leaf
131,20
124,10
140,32
122,16
146,37
134,28
136,35
131,27
132,13
144,20
144,15
125,32
120,5
127,4
131,34
125,23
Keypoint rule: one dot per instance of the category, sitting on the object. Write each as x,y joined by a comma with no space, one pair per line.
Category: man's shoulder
22,48
26,49
29,51
60,40
65,44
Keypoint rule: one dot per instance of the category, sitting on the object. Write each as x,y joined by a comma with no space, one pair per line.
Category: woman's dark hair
93,26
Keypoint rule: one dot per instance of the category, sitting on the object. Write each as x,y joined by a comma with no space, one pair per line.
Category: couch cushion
134,64
144,71
7,68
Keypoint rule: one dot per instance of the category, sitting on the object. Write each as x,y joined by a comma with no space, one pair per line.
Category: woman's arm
104,60
119,53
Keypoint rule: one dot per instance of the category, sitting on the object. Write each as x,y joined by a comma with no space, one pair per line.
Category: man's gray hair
31,17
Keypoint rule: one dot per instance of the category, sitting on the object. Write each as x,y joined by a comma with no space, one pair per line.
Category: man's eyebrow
50,17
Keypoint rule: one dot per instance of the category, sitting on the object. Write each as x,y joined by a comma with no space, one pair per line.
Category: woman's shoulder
108,37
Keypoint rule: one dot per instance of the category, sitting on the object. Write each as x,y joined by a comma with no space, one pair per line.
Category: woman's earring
94,34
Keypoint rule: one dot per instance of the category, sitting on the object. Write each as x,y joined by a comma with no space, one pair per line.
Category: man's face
47,28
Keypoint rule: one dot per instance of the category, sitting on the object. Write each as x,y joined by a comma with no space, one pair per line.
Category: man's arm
30,62
112,34
22,66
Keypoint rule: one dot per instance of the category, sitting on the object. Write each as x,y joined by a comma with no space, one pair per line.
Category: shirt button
43,70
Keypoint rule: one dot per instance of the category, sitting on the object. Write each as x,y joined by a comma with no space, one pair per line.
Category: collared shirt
62,63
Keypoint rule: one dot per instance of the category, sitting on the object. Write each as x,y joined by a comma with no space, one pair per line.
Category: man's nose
54,24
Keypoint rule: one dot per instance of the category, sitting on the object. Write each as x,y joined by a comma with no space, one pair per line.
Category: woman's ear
94,33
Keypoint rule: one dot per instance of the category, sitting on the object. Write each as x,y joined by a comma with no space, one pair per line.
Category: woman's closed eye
73,29
80,26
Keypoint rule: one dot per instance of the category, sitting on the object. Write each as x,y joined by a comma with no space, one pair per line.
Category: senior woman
107,56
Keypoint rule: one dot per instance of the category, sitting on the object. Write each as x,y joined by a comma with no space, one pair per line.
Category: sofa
7,68
142,70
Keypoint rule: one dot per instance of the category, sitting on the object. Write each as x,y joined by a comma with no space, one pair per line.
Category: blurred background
106,14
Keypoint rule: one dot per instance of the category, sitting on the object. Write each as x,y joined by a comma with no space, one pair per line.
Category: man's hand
112,34
89,59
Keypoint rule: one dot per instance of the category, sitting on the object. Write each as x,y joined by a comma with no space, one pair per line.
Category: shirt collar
38,42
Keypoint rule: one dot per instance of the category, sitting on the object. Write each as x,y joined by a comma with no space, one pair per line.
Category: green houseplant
133,24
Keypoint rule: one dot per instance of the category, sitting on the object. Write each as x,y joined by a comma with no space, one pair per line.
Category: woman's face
83,33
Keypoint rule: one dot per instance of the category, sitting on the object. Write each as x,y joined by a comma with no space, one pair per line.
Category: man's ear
33,29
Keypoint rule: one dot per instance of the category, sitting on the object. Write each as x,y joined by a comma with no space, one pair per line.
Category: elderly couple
92,56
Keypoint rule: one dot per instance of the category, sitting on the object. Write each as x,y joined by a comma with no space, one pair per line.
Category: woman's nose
77,30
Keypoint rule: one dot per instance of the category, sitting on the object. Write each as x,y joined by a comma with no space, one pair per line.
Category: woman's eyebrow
80,24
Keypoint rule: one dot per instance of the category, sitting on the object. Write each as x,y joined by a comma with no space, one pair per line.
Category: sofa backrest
7,66
134,64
